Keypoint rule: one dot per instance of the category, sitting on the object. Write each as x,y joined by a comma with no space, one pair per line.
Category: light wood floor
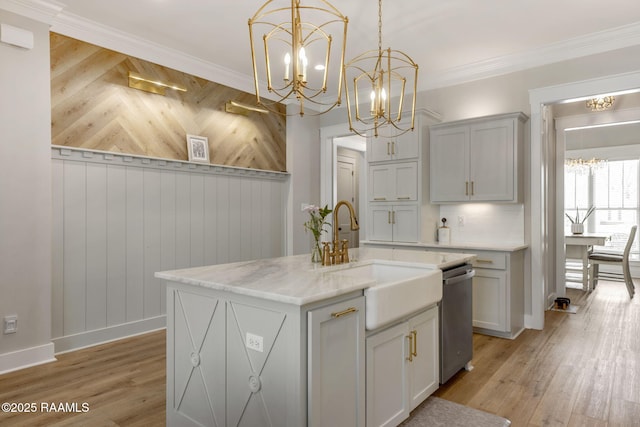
582,370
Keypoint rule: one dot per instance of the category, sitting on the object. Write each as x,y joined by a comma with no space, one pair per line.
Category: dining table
579,246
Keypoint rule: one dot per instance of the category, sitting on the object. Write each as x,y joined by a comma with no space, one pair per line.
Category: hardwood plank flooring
122,382
582,370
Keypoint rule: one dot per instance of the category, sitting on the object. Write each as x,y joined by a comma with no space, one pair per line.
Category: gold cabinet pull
393,217
414,333
388,151
472,192
389,217
379,199
404,197
484,261
410,338
393,147
344,312
466,188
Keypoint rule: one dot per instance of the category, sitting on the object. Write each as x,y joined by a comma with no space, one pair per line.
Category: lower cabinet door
336,365
405,223
424,367
387,380
490,300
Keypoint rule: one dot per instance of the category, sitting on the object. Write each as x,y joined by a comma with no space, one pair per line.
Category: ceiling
452,41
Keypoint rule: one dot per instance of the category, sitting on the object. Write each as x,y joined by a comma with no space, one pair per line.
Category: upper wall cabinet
390,146
477,160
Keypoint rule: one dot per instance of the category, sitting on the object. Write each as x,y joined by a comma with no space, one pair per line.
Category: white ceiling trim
92,32
590,44
39,10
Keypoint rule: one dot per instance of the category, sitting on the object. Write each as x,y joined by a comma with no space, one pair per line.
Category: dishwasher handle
457,279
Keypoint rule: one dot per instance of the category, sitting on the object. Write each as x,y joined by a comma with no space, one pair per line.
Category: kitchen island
278,342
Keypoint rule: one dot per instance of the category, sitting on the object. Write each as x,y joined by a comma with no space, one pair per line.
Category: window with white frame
613,190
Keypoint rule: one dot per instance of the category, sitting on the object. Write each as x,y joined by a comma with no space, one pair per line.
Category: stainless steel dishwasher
456,323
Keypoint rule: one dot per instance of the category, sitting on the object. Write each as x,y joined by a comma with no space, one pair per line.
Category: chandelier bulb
287,62
373,102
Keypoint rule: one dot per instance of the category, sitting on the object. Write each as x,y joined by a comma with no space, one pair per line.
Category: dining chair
611,258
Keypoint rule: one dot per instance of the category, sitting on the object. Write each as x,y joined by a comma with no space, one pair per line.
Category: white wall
303,162
485,223
25,196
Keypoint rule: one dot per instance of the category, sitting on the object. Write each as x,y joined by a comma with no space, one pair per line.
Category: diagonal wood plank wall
94,108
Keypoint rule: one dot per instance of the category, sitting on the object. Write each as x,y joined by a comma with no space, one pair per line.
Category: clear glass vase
316,253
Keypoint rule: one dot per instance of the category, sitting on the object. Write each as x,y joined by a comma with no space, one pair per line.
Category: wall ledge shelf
107,157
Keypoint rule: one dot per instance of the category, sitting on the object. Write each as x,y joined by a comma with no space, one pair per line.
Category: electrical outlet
10,324
460,221
254,342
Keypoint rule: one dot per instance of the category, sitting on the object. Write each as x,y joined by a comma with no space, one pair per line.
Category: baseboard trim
105,335
26,358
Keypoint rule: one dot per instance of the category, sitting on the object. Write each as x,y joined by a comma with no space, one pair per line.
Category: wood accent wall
94,108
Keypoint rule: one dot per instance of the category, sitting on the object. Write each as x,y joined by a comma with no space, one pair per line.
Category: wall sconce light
234,107
146,84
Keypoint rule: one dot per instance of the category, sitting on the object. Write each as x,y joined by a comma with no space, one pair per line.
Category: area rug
573,309
436,412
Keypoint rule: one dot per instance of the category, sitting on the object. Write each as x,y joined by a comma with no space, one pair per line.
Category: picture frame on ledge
198,148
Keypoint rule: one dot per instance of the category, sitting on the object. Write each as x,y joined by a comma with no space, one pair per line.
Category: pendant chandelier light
581,166
600,103
375,78
297,50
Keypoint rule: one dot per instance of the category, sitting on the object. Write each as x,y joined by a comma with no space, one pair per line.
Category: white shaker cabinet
393,182
390,146
395,190
477,160
336,364
402,368
393,222
498,293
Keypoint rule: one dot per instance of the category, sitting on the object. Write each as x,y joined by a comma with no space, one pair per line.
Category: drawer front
490,260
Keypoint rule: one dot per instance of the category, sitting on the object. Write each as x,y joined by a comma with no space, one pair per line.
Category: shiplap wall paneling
116,245
75,250
119,219
96,248
57,248
152,304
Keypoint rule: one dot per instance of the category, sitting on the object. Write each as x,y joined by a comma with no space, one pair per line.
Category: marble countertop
296,280
454,245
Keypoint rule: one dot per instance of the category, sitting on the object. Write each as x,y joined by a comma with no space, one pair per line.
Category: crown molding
95,33
110,38
590,44
38,10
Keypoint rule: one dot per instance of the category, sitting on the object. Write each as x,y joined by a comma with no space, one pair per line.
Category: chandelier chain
379,25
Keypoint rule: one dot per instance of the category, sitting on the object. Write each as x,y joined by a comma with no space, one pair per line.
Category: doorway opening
342,154
611,188
347,176
544,257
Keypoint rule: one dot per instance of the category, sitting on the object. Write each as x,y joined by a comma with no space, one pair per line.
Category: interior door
347,190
